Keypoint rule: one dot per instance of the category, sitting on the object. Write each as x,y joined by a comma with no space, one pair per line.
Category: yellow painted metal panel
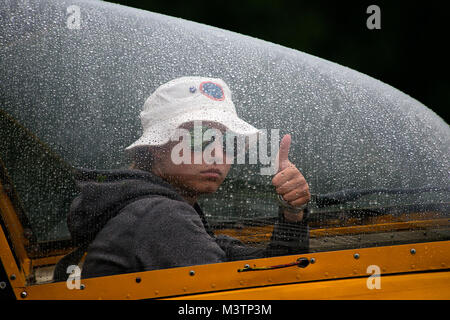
16,277
10,218
413,286
328,266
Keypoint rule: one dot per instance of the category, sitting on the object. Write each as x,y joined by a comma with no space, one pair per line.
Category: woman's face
194,177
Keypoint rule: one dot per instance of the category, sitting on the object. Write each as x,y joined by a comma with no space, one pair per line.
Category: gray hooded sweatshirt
132,220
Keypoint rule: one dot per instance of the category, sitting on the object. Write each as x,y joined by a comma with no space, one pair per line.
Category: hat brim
161,132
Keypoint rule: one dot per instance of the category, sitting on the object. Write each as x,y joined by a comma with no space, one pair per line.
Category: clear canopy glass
75,75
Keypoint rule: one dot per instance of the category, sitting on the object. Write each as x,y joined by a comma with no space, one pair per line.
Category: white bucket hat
188,99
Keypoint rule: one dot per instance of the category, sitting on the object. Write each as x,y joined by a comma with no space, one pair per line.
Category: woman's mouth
211,173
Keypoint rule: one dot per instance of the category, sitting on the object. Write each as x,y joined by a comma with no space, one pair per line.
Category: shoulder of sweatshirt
147,219
154,210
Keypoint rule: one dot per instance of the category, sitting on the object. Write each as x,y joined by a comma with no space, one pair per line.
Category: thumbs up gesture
290,183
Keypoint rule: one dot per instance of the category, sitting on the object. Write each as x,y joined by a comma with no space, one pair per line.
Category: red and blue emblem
212,90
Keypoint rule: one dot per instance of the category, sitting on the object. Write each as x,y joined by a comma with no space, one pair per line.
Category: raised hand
289,182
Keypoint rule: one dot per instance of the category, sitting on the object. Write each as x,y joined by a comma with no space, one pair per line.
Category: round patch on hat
212,90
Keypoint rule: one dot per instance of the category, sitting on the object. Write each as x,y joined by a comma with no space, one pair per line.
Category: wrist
290,208
293,217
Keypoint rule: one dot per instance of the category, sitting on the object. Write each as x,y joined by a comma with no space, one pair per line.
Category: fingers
297,183
290,173
297,198
295,192
291,184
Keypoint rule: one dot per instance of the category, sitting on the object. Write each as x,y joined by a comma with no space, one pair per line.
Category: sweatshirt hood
104,193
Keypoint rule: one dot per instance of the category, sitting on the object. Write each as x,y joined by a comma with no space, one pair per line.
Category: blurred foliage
409,51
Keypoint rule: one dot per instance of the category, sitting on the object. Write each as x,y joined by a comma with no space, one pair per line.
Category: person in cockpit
147,217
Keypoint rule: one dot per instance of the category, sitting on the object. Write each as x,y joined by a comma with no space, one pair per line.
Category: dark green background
409,52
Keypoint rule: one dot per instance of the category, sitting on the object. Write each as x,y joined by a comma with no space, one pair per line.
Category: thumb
283,152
